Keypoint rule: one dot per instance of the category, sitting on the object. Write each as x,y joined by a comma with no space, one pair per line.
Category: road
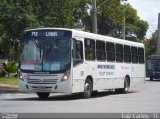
142,98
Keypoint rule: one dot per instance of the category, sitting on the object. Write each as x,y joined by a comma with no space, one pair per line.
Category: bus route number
34,34
54,34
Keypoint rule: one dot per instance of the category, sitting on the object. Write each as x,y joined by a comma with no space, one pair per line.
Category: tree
19,15
151,44
111,20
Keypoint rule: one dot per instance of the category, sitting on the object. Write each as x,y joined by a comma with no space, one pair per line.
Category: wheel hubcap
126,86
87,88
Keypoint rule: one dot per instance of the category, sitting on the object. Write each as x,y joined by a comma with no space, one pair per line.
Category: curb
4,89
8,86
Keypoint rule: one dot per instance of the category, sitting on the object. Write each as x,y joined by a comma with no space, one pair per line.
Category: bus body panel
80,73
105,75
79,76
137,76
122,70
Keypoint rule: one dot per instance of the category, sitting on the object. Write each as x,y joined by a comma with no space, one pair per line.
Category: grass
9,80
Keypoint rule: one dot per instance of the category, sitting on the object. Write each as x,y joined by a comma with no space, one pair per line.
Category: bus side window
100,51
78,52
119,53
110,50
89,49
127,54
134,54
141,55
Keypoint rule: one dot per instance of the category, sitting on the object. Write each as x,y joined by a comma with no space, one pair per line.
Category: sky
147,10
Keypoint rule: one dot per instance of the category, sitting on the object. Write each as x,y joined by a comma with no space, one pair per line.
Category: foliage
19,15
10,67
151,44
111,21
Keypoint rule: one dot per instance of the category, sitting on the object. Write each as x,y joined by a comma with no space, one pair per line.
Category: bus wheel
43,95
87,89
126,87
151,78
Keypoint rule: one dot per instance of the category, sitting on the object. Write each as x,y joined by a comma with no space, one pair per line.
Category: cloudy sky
147,10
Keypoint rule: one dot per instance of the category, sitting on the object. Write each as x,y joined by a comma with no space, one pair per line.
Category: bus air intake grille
42,81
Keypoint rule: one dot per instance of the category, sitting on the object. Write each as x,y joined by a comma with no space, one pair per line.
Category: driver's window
78,51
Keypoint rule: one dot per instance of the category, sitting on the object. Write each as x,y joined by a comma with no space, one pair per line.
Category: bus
72,61
153,67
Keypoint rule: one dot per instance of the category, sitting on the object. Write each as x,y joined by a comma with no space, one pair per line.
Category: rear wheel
151,78
88,87
43,95
126,87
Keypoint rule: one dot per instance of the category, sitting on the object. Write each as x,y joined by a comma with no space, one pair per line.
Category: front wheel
126,87
151,78
43,95
88,87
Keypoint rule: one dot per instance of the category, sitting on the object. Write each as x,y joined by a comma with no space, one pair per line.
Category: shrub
10,67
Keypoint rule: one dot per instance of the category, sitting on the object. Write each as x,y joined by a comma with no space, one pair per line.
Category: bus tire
126,86
88,87
43,95
151,78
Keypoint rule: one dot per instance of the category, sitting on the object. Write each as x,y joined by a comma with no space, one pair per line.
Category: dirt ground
8,88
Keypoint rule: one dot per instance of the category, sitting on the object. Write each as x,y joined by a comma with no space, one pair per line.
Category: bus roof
82,34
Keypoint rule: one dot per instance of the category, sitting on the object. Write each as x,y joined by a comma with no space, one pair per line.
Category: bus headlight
66,76
20,75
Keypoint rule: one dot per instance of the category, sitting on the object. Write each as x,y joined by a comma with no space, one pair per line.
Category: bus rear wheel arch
126,87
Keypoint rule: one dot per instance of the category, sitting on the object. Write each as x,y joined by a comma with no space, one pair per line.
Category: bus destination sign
155,57
48,33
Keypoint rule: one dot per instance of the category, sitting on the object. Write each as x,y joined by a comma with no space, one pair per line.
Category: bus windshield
46,53
153,64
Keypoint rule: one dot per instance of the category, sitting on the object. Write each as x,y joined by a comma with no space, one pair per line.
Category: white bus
72,61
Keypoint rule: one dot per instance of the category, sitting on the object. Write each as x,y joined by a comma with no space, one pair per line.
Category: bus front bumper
61,87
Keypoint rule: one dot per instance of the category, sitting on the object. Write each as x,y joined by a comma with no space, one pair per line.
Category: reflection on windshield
45,54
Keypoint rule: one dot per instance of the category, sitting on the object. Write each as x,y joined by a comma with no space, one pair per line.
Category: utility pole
94,15
124,31
158,41
124,21
10,49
